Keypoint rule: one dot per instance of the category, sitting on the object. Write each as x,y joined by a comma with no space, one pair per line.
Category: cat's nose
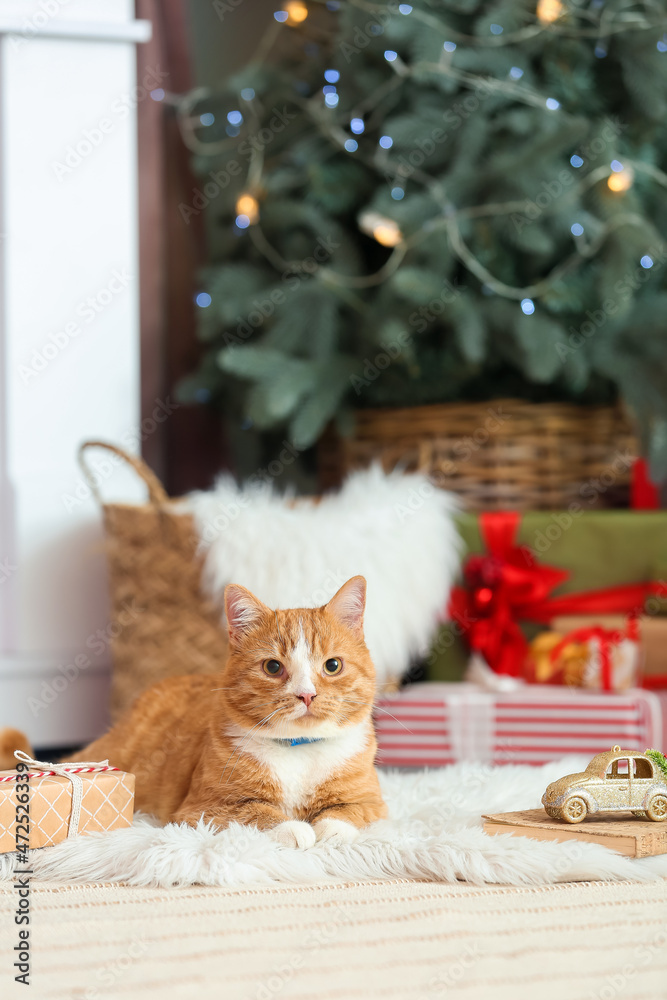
306,698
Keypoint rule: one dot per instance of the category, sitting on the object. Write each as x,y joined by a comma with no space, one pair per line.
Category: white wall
69,345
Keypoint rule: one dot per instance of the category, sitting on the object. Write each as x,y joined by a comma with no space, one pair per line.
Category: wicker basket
155,570
500,454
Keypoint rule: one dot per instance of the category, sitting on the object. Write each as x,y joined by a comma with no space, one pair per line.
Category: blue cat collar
299,741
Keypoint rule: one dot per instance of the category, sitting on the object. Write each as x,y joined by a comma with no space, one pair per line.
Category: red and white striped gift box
430,724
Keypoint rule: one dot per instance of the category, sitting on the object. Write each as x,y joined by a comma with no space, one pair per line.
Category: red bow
508,585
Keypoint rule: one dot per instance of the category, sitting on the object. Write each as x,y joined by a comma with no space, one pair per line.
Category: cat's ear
349,603
243,610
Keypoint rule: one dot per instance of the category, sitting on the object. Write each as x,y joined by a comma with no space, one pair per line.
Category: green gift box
598,549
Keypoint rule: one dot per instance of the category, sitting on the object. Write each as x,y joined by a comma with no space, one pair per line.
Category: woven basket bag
154,567
502,454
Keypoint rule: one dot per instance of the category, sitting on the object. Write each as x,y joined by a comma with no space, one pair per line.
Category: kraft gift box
107,803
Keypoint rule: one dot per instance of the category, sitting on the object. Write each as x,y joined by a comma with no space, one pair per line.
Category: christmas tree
442,200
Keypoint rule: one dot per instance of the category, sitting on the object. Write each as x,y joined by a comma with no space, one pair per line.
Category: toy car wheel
640,813
574,810
657,808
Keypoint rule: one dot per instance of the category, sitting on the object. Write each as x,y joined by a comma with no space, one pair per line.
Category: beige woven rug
349,941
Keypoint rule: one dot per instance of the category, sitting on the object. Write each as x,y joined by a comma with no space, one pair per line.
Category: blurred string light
661,45
600,51
207,118
390,55
203,299
552,104
248,94
297,12
577,229
527,307
234,117
405,8
496,29
516,73
646,262
386,141
576,160
329,89
331,100
351,145
247,208
357,126
385,231
449,46
331,75
549,11
397,193
158,94
620,179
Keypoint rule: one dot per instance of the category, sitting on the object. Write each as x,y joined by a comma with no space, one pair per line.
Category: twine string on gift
72,772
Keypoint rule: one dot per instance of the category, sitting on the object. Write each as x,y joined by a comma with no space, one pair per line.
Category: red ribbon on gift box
507,585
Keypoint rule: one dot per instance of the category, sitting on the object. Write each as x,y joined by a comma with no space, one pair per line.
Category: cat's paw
337,831
293,833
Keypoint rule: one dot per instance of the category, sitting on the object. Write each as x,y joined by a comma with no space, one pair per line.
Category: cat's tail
11,740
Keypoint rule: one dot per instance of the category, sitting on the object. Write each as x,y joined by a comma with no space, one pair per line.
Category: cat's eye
272,667
333,666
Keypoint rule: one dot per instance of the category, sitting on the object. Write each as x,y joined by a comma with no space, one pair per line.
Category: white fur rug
433,832
396,530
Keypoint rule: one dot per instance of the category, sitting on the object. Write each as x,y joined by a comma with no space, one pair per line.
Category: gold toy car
616,781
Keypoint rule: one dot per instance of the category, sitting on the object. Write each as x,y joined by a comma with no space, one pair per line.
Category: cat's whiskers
245,742
242,745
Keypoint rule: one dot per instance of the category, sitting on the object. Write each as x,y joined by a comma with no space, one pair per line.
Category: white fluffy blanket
433,832
396,530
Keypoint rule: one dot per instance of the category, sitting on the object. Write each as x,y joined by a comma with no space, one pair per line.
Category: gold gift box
107,803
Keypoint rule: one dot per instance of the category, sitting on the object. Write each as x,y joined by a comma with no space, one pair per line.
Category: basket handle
156,491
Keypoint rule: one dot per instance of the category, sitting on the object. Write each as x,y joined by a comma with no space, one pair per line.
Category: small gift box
591,656
652,630
63,800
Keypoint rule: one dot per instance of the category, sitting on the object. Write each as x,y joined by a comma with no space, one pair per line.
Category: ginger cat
281,739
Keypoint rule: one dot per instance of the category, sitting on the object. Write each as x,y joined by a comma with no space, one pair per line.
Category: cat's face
304,672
